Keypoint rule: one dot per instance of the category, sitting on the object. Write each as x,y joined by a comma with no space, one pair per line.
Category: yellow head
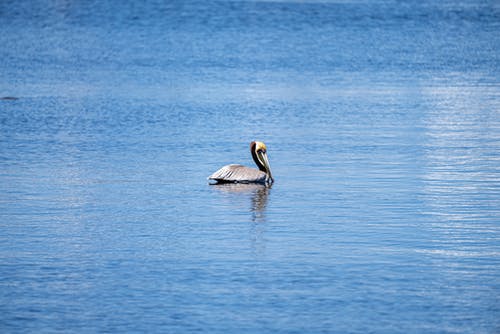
260,146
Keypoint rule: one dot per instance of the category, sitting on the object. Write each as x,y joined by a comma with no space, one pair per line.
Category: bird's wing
238,173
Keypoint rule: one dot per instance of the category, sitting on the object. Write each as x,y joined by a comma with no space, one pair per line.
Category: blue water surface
382,122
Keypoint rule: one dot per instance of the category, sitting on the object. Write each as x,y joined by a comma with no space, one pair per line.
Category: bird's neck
257,162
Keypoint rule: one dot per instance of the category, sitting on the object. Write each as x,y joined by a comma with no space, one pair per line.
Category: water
382,122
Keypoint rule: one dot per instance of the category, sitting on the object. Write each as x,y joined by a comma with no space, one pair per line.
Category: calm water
382,121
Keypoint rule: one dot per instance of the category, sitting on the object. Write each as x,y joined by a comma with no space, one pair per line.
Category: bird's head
259,154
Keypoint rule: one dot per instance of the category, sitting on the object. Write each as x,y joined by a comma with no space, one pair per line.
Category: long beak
265,162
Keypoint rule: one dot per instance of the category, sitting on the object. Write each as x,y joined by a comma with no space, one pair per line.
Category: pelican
243,174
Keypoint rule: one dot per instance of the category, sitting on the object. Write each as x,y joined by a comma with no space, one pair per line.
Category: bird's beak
265,162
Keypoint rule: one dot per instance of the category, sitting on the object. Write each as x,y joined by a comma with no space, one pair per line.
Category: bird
241,174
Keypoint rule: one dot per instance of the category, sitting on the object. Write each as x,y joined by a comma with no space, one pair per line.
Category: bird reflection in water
259,194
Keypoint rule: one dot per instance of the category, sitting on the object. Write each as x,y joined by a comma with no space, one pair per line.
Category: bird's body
241,174
238,173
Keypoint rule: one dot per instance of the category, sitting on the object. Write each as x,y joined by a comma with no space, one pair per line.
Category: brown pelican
242,174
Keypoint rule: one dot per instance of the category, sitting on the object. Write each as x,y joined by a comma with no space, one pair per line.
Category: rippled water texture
382,122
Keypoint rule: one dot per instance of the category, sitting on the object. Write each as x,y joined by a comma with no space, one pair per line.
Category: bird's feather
238,173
